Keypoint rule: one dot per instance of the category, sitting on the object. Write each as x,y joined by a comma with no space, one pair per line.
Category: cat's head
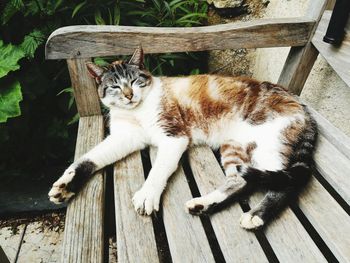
122,84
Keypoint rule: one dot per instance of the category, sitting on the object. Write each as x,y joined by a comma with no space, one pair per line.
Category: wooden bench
315,229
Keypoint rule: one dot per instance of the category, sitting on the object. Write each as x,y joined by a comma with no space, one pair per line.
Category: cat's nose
129,96
128,93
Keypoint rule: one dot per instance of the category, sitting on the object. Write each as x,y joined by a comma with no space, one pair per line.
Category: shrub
38,93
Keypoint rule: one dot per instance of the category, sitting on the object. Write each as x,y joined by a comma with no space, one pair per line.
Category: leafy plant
44,131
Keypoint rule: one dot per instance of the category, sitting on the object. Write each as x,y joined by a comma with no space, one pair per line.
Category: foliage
45,129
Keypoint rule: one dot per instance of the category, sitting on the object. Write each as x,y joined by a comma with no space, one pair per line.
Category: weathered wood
185,233
40,244
84,231
91,41
236,243
337,57
288,238
301,59
85,91
10,241
334,167
135,236
336,137
328,218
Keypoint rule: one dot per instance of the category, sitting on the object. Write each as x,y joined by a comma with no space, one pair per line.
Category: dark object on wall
340,15
3,258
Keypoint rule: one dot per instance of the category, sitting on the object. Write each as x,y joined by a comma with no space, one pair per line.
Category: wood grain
135,234
84,231
337,57
335,136
328,218
288,238
92,41
186,237
300,60
236,243
334,167
85,91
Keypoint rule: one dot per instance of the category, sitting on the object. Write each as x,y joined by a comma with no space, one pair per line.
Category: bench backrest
78,44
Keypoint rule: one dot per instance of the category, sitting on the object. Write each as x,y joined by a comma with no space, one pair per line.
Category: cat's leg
170,150
114,147
233,155
272,203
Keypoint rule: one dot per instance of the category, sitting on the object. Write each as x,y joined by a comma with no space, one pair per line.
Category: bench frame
84,231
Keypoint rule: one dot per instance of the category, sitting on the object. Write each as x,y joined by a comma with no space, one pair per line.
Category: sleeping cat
266,137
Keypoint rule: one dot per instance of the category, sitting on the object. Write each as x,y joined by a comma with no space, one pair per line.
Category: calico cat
266,137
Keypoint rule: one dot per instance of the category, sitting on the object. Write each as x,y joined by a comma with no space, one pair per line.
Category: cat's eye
115,87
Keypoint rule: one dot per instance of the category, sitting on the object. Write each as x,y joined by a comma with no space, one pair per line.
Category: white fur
134,128
249,221
214,197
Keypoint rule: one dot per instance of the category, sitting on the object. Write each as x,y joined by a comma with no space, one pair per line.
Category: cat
266,137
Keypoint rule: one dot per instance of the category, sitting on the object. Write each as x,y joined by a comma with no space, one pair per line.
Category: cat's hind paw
196,206
251,222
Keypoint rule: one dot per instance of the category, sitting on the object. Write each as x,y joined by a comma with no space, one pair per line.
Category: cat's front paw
146,200
59,192
197,206
251,222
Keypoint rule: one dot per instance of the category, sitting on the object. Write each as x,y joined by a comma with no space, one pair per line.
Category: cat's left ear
137,58
95,71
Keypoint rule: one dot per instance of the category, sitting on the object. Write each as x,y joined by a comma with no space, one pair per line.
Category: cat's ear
137,58
95,71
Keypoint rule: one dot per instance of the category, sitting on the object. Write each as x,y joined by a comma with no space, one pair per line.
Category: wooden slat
288,238
301,59
85,91
135,236
334,167
185,233
336,137
84,233
328,218
92,41
236,243
337,57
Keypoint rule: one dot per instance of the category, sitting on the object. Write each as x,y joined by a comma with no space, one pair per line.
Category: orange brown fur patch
289,137
201,101
233,154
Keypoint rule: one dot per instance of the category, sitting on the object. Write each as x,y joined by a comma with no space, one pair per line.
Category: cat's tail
299,166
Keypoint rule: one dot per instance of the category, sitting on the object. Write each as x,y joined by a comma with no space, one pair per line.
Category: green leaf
98,18
9,101
10,9
9,56
77,8
31,42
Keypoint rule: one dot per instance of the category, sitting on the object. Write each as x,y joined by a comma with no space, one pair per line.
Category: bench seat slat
186,237
328,218
337,57
334,167
83,234
236,243
288,238
135,235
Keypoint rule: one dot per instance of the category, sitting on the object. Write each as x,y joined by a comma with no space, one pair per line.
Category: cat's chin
128,106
